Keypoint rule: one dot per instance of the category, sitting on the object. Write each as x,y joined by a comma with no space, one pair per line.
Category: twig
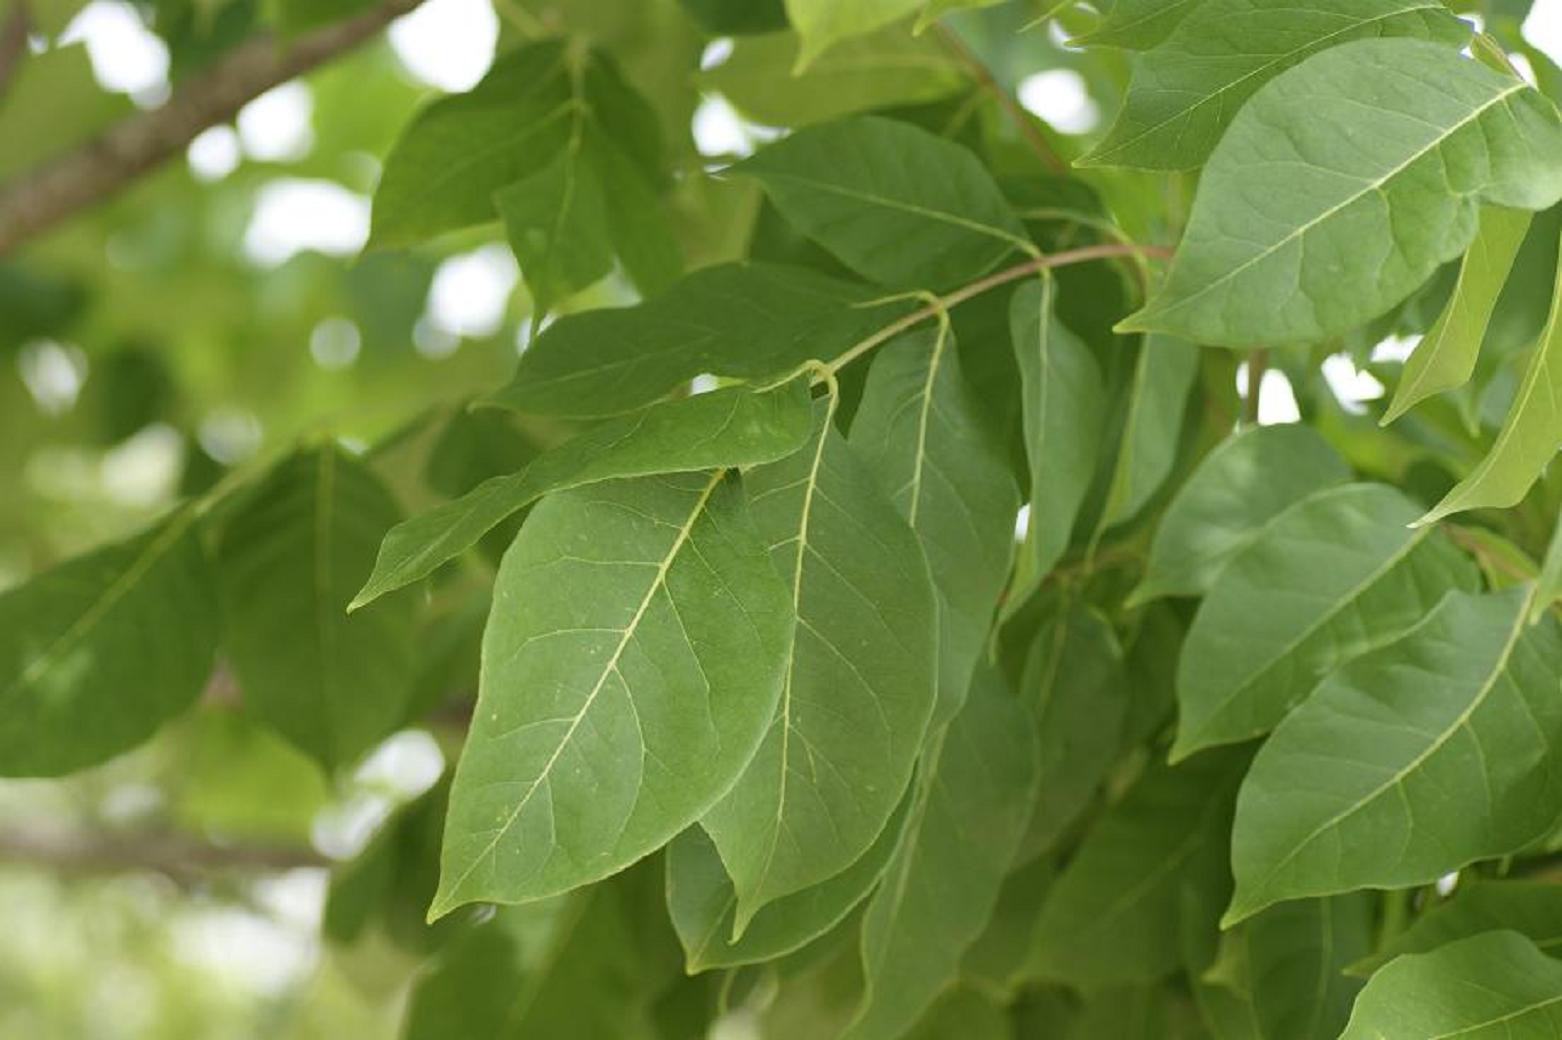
176,856
1011,106
36,201
13,43
1035,265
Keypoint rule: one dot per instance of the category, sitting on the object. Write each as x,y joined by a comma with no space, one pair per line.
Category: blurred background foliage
219,311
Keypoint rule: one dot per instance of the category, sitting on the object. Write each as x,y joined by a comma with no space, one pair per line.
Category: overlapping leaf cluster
906,638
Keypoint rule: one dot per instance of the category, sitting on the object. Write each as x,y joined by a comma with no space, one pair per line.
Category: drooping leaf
889,67
1445,357
895,203
733,427
1531,908
1149,878
859,681
1163,374
290,558
1064,410
822,23
1244,483
1432,752
1297,954
748,321
1492,986
1186,91
1394,142
1138,25
703,903
1530,436
1336,575
99,651
921,430
973,803
1074,683
618,609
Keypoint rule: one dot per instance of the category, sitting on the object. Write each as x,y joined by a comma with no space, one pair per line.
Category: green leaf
736,17
703,903
889,67
963,1014
1248,479
98,652
993,962
1297,953
1445,357
1531,908
1392,142
1138,25
1548,587
1490,987
1164,373
290,557
746,321
822,23
1074,670
1187,90
896,204
555,143
732,427
973,801
1064,404
618,609
1431,753
1150,875
921,430
1338,574
1529,437
859,679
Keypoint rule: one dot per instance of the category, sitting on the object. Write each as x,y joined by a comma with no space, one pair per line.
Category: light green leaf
1245,482
1297,953
1164,372
889,67
747,320
290,558
1138,25
1495,986
1548,587
859,680
98,652
822,23
1150,877
973,801
1431,753
921,430
703,903
1187,90
1396,143
1529,437
1064,405
1338,574
1445,357
630,666
897,204
1074,672
1531,908
732,427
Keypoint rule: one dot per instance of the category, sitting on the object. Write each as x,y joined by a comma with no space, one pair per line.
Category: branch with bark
177,856
36,201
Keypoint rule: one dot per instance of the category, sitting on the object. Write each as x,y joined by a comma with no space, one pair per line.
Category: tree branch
36,201
178,857
13,43
1017,114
